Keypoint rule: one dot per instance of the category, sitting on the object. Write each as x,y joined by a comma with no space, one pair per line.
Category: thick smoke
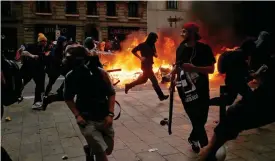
217,22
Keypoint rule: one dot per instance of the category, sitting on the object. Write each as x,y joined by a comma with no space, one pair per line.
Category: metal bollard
223,95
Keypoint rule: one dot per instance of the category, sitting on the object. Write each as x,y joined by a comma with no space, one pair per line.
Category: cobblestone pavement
48,135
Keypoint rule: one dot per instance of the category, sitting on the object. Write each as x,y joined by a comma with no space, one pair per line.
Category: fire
130,65
216,73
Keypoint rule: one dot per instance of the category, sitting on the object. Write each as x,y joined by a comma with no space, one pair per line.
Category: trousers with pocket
100,139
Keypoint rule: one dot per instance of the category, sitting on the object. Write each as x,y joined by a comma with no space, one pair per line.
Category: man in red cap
195,60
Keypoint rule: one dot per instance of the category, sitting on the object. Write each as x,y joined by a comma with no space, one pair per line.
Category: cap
192,27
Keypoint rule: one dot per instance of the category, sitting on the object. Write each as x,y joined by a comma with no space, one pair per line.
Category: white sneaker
37,105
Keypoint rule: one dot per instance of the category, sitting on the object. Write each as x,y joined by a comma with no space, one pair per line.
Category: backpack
13,86
223,62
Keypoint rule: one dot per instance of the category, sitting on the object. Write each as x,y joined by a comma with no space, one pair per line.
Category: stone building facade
166,14
23,20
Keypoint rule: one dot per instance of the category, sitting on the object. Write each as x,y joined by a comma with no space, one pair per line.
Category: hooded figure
264,49
93,58
59,48
148,51
151,40
54,63
89,43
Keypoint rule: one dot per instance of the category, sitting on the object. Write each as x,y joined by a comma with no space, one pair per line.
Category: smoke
217,21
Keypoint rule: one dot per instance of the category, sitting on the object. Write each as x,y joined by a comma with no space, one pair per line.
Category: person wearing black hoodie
33,57
255,111
236,67
4,154
54,62
93,63
93,58
148,51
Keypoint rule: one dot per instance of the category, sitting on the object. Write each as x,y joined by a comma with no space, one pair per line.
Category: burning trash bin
164,72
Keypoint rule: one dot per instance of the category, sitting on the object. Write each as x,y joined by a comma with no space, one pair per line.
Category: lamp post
174,20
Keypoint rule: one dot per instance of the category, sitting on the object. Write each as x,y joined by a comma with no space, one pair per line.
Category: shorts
244,115
98,138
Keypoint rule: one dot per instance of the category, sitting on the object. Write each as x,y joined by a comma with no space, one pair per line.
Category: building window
133,9
71,7
111,8
43,7
91,8
6,8
172,4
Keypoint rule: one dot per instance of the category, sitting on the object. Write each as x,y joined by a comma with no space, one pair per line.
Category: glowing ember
130,65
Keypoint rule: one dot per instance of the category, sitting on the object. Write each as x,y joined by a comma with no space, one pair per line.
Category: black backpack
11,90
224,62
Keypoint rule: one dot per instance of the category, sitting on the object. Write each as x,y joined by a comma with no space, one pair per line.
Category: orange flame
130,65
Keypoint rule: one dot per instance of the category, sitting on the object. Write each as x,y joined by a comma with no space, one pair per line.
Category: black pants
148,74
256,111
38,76
58,96
197,112
53,74
4,155
233,89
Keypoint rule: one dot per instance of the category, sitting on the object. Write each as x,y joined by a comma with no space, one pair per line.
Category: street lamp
175,20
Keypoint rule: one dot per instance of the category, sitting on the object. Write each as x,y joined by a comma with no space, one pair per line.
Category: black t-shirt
147,52
94,61
201,55
235,66
91,91
35,49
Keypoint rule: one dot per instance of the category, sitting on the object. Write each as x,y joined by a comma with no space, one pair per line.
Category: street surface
49,135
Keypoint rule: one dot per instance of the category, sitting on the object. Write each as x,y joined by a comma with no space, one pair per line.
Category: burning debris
166,47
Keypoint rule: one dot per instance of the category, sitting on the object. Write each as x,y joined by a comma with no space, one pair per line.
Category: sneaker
165,97
37,106
195,145
20,99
